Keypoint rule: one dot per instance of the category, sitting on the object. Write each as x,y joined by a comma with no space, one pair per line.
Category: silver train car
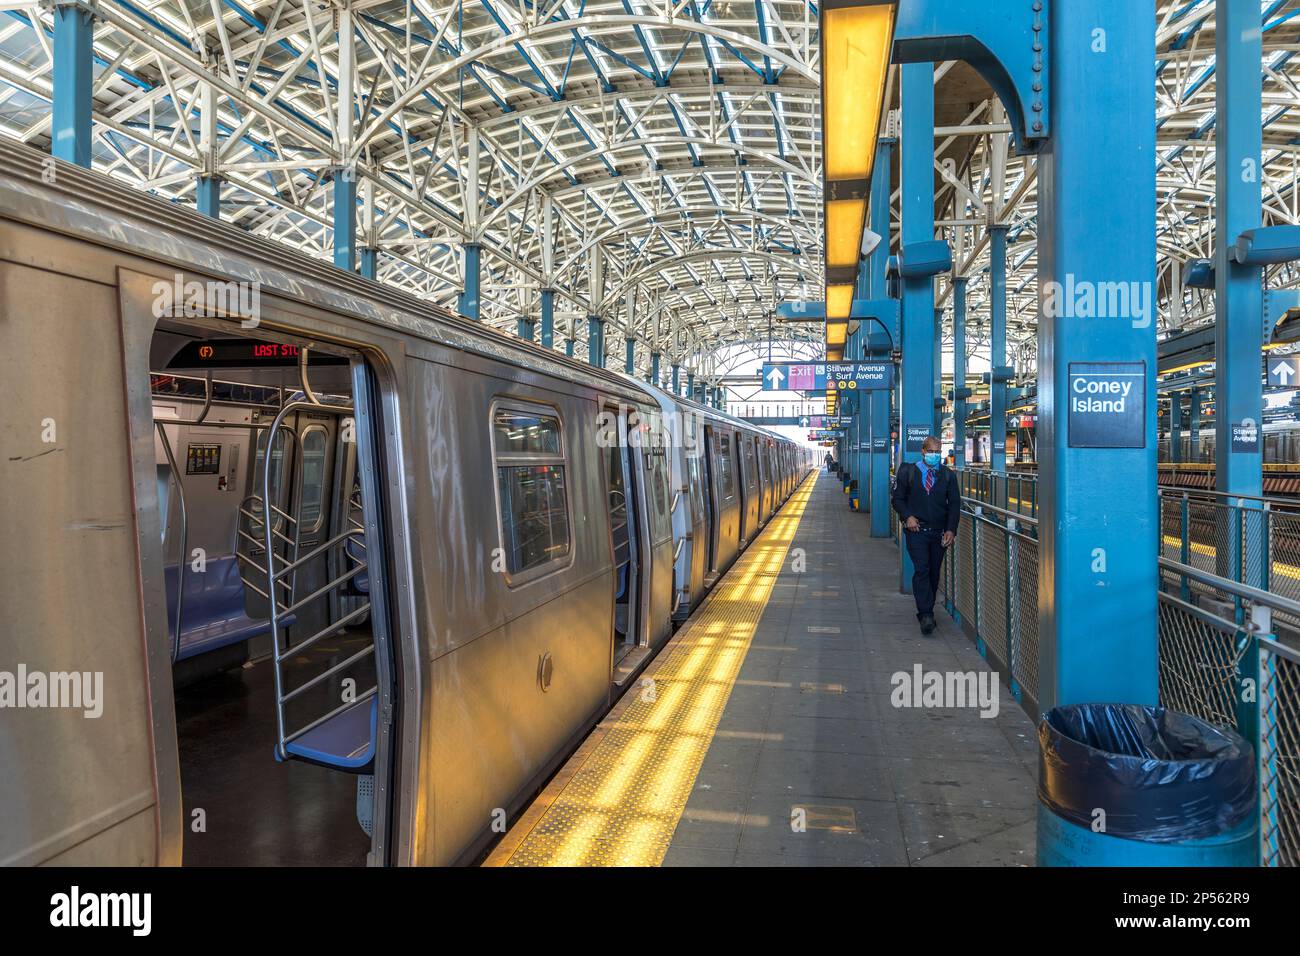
309,571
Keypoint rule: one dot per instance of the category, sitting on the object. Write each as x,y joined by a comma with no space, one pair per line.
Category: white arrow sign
803,422
1283,371
776,377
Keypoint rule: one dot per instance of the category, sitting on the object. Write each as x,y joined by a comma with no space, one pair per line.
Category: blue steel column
370,262
596,341
345,219
998,345
654,369
568,346
207,196
917,208
935,401
548,318
73,77
1238,289
1097,580
690,384
959,370
1175,426
880,401
468,304
629,362
676,379
525,328
1194,425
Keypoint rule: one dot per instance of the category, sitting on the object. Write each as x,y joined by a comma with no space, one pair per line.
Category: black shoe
928,624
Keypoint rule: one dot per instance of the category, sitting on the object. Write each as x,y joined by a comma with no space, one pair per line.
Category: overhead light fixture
836,335
856,37
839,303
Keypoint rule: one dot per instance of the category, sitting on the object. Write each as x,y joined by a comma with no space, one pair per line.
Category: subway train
302,569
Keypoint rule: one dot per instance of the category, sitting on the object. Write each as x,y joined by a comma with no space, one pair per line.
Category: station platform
766,734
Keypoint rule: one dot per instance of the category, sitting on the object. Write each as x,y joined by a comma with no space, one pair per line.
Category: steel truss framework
654,161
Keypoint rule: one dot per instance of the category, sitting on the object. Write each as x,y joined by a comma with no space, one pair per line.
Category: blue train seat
345,742
212,614
355,549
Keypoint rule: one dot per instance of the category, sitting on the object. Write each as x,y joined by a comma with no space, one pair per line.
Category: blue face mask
931,458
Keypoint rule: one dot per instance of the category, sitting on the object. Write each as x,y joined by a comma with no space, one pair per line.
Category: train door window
314,441
726,469
711,497
531,493
278,465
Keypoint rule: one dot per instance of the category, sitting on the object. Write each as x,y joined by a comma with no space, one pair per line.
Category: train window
525,433
657,468
617,493
726,469
313,478
277,476
531,489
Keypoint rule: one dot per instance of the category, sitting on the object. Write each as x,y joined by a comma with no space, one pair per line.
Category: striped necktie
929,479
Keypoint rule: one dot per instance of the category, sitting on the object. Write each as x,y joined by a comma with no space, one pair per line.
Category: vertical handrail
185,529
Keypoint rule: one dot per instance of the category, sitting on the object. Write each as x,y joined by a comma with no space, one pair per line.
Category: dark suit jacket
941,508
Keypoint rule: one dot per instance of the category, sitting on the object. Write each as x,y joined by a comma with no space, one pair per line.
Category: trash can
1130,785
853,494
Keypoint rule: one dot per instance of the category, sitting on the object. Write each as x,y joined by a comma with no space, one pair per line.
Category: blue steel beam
73,77
916,415
1004,40
370,262
1098,526
524,328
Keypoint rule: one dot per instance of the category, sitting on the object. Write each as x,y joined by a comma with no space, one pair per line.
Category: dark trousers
926,549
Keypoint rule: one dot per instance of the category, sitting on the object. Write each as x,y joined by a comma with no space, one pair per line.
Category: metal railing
1015,491
1250,540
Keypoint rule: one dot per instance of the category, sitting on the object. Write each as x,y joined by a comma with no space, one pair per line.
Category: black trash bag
1159,775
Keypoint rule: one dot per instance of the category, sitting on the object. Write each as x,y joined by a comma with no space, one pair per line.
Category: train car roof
667,399
90,206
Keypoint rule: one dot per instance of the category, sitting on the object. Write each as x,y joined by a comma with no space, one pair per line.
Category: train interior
717,459
276,664
625,521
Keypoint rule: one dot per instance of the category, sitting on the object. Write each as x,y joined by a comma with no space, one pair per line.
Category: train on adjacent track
346,575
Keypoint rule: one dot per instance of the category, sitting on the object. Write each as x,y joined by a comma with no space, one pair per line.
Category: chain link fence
1222,660
990,587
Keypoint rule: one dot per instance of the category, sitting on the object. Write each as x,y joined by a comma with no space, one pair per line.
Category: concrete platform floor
813,765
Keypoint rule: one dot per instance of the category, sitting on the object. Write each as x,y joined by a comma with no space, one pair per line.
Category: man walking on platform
928,503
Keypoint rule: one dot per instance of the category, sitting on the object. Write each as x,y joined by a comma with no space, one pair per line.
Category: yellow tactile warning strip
617,802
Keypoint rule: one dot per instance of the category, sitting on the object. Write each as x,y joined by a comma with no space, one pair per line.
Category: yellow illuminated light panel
839,302
855,58
622,804
844,221
836,334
